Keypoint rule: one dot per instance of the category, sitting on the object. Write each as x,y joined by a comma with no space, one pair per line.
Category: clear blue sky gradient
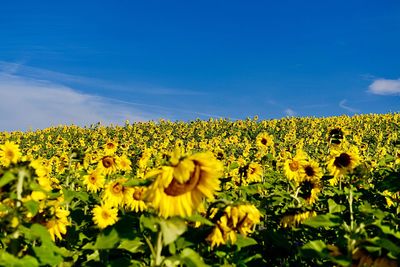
234,59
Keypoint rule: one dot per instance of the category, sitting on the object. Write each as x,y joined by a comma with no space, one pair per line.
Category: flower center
264,141
105,215
117,188
294,165
138,194
92,179
110,145
9,154
309,171
107,162
342,161
175,188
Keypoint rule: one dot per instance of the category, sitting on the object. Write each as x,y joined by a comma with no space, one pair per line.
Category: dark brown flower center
92,179
107,162
264,141
110,145
9,154
309,171
105,215
176,188
342,161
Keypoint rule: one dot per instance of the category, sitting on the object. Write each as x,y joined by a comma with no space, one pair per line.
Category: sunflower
107,165
9,153
292,166
254,172
105,215
180,189
342,162
239,218
134,198
123,163
110,147
310,170
115,192
58,224
293,220
309,189
94,181
264,141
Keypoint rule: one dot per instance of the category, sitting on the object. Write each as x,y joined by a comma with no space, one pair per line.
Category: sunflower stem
159,246
21,175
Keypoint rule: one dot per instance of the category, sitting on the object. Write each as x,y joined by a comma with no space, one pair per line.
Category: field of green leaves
288,192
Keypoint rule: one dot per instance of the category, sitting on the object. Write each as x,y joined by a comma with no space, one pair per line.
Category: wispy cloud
343,105
21,69
290,112
39,104
385,87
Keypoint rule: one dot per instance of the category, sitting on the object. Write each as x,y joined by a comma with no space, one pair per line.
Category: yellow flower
107,165
180,189
9,153
134,199
342,162
110,147
58,224
104,216
264,141
292,220
123,163
292,166
94,181
115,192
254,172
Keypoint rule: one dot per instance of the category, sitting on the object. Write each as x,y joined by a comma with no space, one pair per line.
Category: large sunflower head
292,166
264,140
9,153
309,189
342,162
180,189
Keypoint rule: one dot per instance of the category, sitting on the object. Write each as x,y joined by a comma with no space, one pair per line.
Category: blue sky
64,62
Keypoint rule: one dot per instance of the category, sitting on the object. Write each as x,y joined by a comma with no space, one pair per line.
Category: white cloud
385,87
343,105
27,102
290,112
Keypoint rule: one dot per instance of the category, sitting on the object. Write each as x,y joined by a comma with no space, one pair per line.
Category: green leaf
387,244
334,207
7,259
107,239
32,206
47,255
138,182
132,246
171,229
243,241
200,219
191,259
325,220
69,195
6,178
150,223
315,249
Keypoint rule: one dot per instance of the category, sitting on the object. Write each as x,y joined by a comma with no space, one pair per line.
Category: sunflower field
288,192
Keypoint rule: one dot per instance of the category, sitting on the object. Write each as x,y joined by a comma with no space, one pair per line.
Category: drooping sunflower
105,215
309,190
9,153
57,226
179,189
94,181
294,219
342,162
